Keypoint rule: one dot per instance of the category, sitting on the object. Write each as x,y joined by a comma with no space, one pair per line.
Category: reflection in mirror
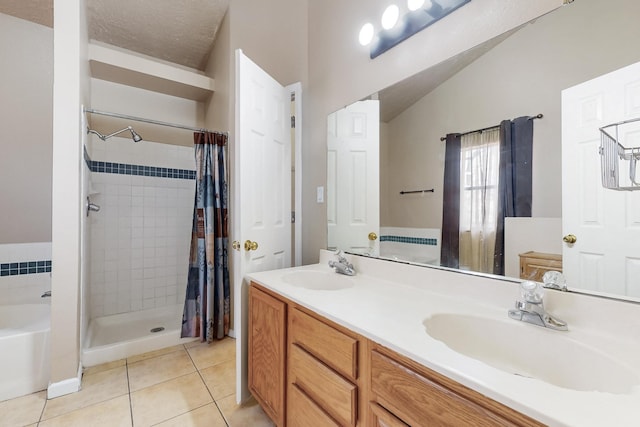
520,73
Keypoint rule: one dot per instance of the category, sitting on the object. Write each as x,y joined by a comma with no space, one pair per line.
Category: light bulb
366,34
390,17
414,4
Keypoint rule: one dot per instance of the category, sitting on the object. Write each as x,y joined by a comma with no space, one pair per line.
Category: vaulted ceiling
182,32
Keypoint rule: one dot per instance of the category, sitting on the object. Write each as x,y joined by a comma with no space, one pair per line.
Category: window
479,174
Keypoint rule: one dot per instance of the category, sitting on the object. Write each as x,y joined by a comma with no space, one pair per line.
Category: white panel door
353,183
262,191
606,223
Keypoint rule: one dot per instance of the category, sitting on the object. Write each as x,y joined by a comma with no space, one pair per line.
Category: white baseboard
68,386
232,333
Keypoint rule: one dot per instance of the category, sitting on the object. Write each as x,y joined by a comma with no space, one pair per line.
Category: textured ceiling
178,31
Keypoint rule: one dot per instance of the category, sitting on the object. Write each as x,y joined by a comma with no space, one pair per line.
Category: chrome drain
158,329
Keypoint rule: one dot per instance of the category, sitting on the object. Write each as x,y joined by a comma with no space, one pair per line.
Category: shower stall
138,228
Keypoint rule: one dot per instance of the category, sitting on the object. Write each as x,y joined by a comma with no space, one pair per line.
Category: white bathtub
24,349
123,335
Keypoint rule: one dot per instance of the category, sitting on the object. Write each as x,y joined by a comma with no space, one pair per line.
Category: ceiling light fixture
414,4
366,34
396,29
390,17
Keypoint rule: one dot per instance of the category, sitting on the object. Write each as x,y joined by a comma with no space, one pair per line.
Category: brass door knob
235,245
250,246
373,236
569,238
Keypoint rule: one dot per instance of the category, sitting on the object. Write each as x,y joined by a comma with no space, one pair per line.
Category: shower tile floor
183,385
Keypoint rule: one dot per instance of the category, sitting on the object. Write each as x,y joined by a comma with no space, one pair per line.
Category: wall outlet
320,194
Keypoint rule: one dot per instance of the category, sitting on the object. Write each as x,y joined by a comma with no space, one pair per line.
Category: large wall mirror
385,192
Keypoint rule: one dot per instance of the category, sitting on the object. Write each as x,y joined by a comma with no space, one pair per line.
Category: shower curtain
207,303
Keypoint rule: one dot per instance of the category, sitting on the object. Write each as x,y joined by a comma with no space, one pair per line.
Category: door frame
296,89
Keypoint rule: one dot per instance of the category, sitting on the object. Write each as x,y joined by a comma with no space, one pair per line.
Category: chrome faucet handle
554,280
531,292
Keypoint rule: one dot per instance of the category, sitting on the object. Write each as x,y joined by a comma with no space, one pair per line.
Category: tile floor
184,385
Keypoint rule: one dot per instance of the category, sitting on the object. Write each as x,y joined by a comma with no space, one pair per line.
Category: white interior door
605,222
262,191
353,183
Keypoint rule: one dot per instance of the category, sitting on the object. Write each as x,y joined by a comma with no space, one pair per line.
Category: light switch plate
320,194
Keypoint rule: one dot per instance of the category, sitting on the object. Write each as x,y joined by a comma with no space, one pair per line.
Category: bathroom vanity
399,345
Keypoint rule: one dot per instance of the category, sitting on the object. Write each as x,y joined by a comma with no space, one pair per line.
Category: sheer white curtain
479,173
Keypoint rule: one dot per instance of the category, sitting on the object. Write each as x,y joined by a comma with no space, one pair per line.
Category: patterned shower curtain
207,307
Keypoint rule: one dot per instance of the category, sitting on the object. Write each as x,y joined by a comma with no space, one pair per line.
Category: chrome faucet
531,309
342,266
46,294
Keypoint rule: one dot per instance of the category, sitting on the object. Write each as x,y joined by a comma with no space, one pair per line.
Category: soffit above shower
132,69
181,32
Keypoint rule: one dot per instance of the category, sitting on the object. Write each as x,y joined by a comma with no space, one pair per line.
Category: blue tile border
139,170
25,267
411,240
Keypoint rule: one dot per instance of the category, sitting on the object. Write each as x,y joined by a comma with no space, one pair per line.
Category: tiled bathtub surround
140,239
29,267
411,244
24,272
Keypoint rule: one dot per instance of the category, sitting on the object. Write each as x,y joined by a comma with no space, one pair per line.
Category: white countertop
388,303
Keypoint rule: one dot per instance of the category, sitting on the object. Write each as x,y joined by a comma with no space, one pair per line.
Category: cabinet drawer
380,417
420,401
331,346
303,412
333,393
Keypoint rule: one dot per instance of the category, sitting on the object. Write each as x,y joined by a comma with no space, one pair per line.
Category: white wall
523,75
70,91
26,117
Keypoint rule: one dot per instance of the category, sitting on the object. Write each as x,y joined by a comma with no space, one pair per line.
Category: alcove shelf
133,69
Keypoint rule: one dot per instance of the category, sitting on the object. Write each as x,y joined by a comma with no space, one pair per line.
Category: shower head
134,135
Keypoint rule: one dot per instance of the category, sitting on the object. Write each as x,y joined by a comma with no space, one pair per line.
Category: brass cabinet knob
569,238
235,245
373,236
250,246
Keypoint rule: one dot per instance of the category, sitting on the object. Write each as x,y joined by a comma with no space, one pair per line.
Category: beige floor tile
220,379
22,410
104,367
205,355
159,369
96,388
247,414
205,416
169,399
156,353
111,413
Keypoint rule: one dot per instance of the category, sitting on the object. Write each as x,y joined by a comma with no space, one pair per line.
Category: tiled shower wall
140,238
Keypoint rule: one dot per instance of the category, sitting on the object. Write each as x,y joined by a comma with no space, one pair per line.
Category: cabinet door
267,352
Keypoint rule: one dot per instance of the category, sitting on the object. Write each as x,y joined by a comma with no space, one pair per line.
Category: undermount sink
318,280
531,351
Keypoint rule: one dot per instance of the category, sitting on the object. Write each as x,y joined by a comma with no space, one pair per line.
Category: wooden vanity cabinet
306,371
416,396
267,352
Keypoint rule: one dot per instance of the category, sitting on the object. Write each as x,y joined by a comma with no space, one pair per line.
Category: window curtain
516,153
207,304
449,245
480,160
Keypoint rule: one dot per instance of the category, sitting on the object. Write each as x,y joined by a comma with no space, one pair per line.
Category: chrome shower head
134,135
